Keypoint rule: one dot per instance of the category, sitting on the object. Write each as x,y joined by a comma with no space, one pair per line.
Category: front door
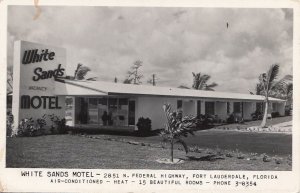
131,112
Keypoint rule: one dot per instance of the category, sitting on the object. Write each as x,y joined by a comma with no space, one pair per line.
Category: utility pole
153,80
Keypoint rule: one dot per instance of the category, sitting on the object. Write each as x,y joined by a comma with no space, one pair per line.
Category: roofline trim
74,84
195,97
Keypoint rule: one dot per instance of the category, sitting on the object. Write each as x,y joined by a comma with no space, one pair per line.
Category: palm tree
81,71
200,82
289,91
128,81
284,88
267,82
176,127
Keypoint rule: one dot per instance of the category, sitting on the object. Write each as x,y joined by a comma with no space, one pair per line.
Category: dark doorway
131,113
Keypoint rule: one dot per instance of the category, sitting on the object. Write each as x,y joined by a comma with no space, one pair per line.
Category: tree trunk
172,150
264,121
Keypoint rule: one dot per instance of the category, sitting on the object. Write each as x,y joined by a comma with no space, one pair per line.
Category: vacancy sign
35,68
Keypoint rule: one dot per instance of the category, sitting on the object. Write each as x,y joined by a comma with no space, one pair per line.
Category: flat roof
85,88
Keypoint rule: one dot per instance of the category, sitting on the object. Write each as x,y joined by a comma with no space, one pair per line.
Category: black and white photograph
158,88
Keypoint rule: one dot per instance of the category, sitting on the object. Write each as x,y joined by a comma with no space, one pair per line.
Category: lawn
248,142
246,124
75,151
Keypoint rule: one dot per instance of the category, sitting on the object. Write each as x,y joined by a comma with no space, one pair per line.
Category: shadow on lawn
205,158
86,131
116,132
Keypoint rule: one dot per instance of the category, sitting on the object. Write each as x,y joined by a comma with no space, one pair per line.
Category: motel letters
40,74
32,56
36,102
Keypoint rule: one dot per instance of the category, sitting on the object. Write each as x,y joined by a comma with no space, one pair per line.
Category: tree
200,82
288,90
267,82
9,80
134,75
284,88
258,90
128,81
81,71
177,127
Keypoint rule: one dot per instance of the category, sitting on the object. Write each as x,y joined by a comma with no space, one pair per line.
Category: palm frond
211,86
288,77
180,141
202,82
81,72
196,79
184,87
289,88
92,78
259,89
168,113
282,84
272,74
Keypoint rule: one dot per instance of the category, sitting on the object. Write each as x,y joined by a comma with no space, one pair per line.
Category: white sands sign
35,68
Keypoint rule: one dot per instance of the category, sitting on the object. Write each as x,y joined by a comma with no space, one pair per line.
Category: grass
72,151
248,142
246,124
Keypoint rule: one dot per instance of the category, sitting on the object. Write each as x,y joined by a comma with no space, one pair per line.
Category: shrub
58,125
204,120
41,123
288,110
30,128
27,128
231,118
275,114
144,125
9,123
61,126
257,115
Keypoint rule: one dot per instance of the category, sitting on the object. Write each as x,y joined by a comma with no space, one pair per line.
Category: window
81,110
228,108
198,108
93,111
131,113
105,111
102,111
122,112
210,108
259,107
274,107
179,104
237,107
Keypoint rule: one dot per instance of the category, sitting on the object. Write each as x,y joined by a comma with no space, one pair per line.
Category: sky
171,42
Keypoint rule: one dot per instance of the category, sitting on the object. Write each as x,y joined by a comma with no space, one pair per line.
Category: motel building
40,88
